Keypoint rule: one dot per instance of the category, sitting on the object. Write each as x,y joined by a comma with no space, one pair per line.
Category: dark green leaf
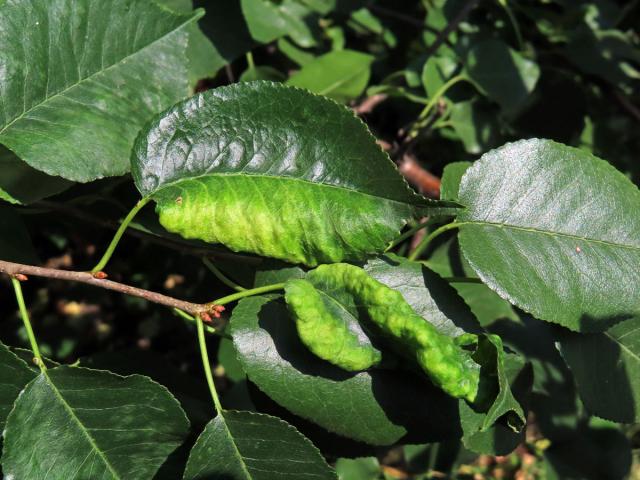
607,370
342,75
73,422
554,230
475,125
268,21
260,167
80,77
22,184
451,177
502,73
14,376
15,242
253,446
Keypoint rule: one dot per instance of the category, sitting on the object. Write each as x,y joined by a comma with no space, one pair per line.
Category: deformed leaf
273,170
560,239
377,407
606,367
253,446
78,78
71,422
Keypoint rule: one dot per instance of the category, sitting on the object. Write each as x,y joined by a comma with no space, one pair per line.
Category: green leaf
22,184
73,422
15,242
262,72
204,59
607,370
475,125
14,376
80,77
436,71
293,53
252,446
228,358
260,167
366,468
342,75
378,407
502,73
268,21
499,430
553,230
451,178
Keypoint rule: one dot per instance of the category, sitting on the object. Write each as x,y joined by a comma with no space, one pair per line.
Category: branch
443,36
17,270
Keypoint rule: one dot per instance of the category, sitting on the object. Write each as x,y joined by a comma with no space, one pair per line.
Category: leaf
22,184
499,430
268,21
475,126
204,59
293,53
262,72
14,375
451,177
254,446
210,161
366,468
607,370
560,239
502,73
377,407
436,71
15,242
342,75
78,78
73,422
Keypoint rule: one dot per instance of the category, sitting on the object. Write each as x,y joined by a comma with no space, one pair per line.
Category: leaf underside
561,239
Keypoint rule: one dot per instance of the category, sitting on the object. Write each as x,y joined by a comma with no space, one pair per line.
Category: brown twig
17,270
426,182
443,36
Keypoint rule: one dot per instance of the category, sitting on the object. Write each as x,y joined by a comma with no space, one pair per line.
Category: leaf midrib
69,410
550,233
195,15
177,183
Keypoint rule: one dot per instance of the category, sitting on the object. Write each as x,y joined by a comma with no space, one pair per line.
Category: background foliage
438,82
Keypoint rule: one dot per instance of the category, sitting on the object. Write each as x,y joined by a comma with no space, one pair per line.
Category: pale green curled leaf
254,446
274,170
502,73
323,328
606,367
446,364
555,231
14,376
451,177
71,422
376,406
22,184
78,78
342,75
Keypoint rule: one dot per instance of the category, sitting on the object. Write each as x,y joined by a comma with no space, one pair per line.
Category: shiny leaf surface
560,239
78,78
253,446
73,422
